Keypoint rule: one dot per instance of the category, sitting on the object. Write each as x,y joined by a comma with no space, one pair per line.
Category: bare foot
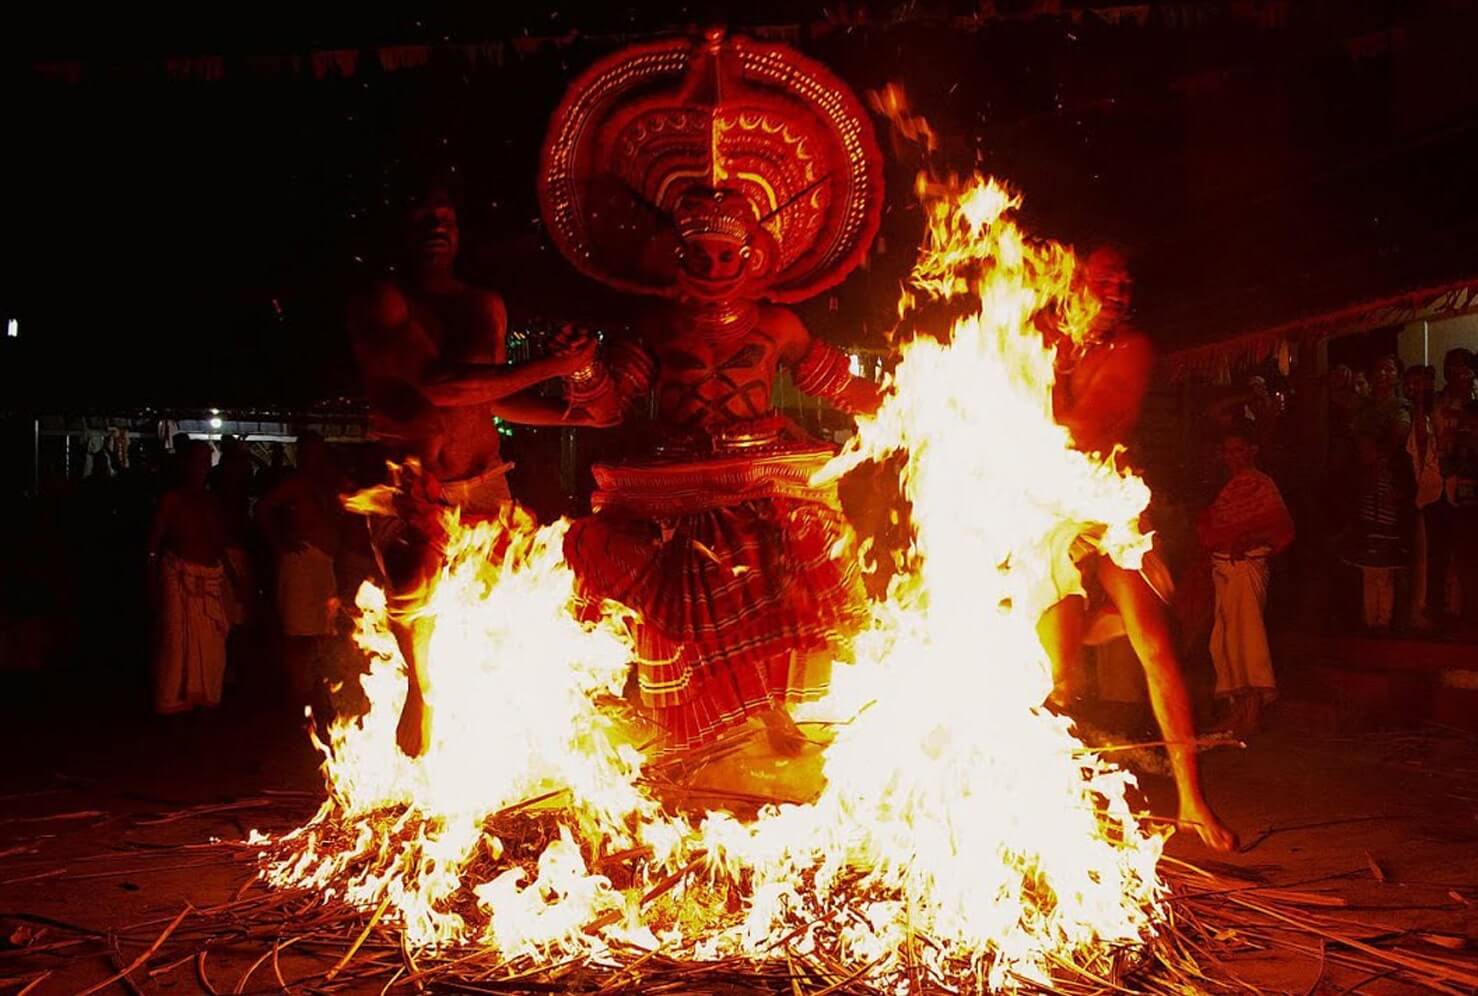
1061,702
786,739
413,732
1213,832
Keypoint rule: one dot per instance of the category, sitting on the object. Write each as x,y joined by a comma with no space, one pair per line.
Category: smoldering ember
863,498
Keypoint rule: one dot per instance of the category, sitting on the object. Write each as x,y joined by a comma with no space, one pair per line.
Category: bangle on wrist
582,376
588,383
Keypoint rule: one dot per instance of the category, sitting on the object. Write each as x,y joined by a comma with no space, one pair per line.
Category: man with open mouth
432,350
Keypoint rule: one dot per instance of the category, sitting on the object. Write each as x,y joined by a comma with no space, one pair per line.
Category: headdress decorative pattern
717,135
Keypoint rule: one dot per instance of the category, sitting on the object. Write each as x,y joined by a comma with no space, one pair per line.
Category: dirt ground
1386,825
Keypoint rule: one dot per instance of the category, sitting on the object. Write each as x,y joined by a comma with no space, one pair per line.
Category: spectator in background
231,481
1255,407
1378,528
1418,386
275,472
1344,402
1250,404
1243,527
187,573
1377,538
1384,417
1445,592
1461,492
1458,371
301,520
174,466
1343,394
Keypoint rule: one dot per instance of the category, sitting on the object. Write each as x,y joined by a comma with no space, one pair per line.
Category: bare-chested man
187,575
432,351
301,520
1100,390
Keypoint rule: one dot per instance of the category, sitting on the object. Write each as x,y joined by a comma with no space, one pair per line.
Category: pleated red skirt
739,606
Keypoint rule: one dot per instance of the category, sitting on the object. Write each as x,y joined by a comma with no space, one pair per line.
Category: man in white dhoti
188,579
1245,525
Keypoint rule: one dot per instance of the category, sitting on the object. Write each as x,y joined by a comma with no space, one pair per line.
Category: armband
633,370
824,372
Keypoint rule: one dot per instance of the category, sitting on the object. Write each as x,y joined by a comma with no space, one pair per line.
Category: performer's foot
1213,832
785,737
413,733
1065,702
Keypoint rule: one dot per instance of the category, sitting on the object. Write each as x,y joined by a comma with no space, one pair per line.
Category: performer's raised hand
574,347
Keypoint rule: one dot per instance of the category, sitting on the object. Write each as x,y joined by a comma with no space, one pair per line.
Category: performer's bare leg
410,564
1144,621
1061,631
413,732
785,737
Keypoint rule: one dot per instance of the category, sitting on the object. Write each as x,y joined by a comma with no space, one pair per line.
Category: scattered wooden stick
241,985
82,814
206,810
358,941
31,986
200,975
141,959
1210,914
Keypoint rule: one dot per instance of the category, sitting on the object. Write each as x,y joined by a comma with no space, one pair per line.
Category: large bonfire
963,835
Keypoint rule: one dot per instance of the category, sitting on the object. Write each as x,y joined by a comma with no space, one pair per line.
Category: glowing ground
1385,824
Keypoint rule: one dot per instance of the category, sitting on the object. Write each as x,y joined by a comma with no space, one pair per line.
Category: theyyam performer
728,177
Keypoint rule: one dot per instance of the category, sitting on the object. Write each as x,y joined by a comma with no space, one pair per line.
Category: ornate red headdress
722,137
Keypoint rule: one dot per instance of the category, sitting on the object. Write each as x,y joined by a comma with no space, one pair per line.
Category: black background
178,242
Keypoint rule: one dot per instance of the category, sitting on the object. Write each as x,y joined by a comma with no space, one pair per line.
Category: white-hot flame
514,682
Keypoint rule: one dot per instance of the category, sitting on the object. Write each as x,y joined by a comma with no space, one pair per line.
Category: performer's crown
713,214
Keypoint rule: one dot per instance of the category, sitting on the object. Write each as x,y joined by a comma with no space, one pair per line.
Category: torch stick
1201,742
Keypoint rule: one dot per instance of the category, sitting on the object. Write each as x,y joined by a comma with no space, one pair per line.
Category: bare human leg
413,732
1144,621
410,562
1061,631
786,739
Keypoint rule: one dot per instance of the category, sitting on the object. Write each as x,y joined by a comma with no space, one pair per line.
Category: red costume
723,175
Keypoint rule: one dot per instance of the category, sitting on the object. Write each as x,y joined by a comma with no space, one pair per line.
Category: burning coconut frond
516,682
955,807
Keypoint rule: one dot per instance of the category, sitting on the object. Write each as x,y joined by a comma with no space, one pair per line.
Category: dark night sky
150,224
